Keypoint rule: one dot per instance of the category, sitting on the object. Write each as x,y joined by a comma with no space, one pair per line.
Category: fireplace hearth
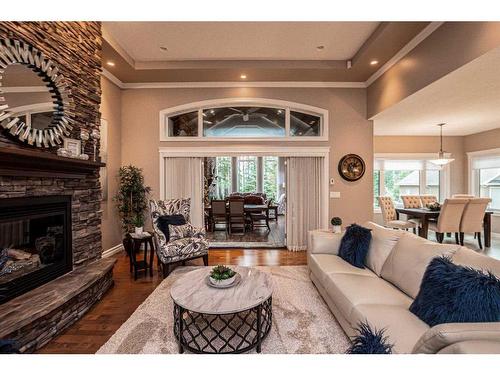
35,242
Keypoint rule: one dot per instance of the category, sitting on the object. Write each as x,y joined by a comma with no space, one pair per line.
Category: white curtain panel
184,179
303,199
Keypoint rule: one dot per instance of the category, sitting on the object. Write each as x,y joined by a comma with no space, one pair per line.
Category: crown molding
433,26
106,73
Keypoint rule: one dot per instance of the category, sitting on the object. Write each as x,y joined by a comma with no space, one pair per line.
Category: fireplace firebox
35,242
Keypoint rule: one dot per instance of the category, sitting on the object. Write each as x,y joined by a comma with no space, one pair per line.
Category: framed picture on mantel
74,146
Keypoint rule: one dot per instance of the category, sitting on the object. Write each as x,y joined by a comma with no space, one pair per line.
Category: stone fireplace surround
35,317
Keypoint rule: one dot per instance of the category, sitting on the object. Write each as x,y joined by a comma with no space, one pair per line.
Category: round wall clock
352,167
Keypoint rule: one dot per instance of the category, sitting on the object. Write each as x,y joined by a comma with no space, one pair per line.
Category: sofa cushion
456,294
355,244
468,257
383,241
406,264
443,335
348,290
402,328
324,242
323,264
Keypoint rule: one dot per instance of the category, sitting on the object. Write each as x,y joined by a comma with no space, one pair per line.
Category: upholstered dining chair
389,215
237,214
473,217
427,200
412,201
449,218
185,242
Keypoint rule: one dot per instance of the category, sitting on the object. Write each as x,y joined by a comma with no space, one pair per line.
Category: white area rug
302,322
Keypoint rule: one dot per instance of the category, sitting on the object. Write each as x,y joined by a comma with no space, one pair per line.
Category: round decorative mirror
34,98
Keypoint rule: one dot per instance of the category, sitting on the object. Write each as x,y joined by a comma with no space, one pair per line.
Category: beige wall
349,130
408,144
449,47
111,111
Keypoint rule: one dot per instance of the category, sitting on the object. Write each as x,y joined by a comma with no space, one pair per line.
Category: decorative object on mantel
84,136
132,196
95,138
351,167
337,224
222,277
442,160
51,123
73,146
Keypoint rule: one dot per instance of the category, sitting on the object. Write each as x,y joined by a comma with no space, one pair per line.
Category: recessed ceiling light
243,76
110,63
164,49
374,62
320,48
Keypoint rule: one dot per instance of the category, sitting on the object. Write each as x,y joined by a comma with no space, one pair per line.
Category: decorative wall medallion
34,97
351,167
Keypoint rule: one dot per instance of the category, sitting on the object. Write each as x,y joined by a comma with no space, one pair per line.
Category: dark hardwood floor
96,327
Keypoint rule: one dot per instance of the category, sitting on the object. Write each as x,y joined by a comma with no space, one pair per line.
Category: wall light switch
332,181
335,194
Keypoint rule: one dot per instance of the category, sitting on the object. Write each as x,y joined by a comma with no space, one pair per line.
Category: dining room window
397,177
270,175
246,174
485,178
223,175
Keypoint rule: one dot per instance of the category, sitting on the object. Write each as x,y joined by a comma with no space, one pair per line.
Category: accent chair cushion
406,264
164,221
381,245
355,244
455,294
178,232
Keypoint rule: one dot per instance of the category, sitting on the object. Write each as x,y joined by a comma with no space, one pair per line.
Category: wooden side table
135,241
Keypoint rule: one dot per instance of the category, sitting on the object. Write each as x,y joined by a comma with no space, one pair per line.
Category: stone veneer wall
76,48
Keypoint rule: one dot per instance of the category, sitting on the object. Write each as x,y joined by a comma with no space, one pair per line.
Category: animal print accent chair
186,242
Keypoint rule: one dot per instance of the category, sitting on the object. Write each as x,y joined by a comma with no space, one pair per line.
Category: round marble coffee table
232,320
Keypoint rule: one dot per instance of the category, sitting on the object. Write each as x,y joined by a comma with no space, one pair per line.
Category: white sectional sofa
382,293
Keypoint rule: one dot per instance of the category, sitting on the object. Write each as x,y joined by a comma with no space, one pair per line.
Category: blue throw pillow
369,341
450,293
164,221
355,244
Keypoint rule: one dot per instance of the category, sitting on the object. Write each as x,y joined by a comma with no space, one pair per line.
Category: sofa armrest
472,347
446,335
322,242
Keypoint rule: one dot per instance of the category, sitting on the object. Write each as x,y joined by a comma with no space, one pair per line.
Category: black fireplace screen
35,242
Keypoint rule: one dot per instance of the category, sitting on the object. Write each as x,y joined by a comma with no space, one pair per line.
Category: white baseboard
113,250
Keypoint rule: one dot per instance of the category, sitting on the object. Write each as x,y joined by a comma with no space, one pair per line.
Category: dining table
248,208
425,215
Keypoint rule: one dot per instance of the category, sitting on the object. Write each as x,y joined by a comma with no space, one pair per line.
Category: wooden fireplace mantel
32,163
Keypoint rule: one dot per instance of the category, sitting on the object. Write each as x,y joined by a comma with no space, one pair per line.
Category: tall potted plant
132,198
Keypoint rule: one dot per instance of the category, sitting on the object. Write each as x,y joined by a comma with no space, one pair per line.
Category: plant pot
223,282
337,229
139,230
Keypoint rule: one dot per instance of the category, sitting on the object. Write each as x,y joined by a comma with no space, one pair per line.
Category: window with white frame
263,119
397,177
485,177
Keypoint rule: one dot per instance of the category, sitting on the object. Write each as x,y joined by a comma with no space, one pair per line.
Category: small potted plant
222,275
337,224
139,224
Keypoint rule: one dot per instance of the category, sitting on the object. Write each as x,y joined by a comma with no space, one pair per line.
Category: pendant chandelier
441,160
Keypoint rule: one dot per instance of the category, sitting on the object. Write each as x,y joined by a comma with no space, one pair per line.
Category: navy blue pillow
369,341
355,244
450,293
164,221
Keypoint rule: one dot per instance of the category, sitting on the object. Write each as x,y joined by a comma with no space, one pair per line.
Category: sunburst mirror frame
17,52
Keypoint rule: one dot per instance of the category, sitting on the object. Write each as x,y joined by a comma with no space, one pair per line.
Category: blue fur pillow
450,293
355,244
370,341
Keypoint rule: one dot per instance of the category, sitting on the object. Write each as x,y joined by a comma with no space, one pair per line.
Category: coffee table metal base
222,333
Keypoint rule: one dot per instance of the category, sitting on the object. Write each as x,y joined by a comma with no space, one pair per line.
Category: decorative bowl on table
435,206
222,276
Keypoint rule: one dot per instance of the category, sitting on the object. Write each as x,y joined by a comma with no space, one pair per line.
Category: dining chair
473,217
237,214
465,196
427,200
412,201
260,218
218,214
389,215
449,218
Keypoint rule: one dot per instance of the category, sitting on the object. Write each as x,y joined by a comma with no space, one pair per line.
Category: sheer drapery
303,199
184,179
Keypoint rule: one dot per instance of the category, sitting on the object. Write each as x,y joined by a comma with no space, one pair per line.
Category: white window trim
444,177
473,176
254,102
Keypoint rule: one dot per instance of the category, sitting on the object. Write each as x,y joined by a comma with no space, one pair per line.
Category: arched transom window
229,119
